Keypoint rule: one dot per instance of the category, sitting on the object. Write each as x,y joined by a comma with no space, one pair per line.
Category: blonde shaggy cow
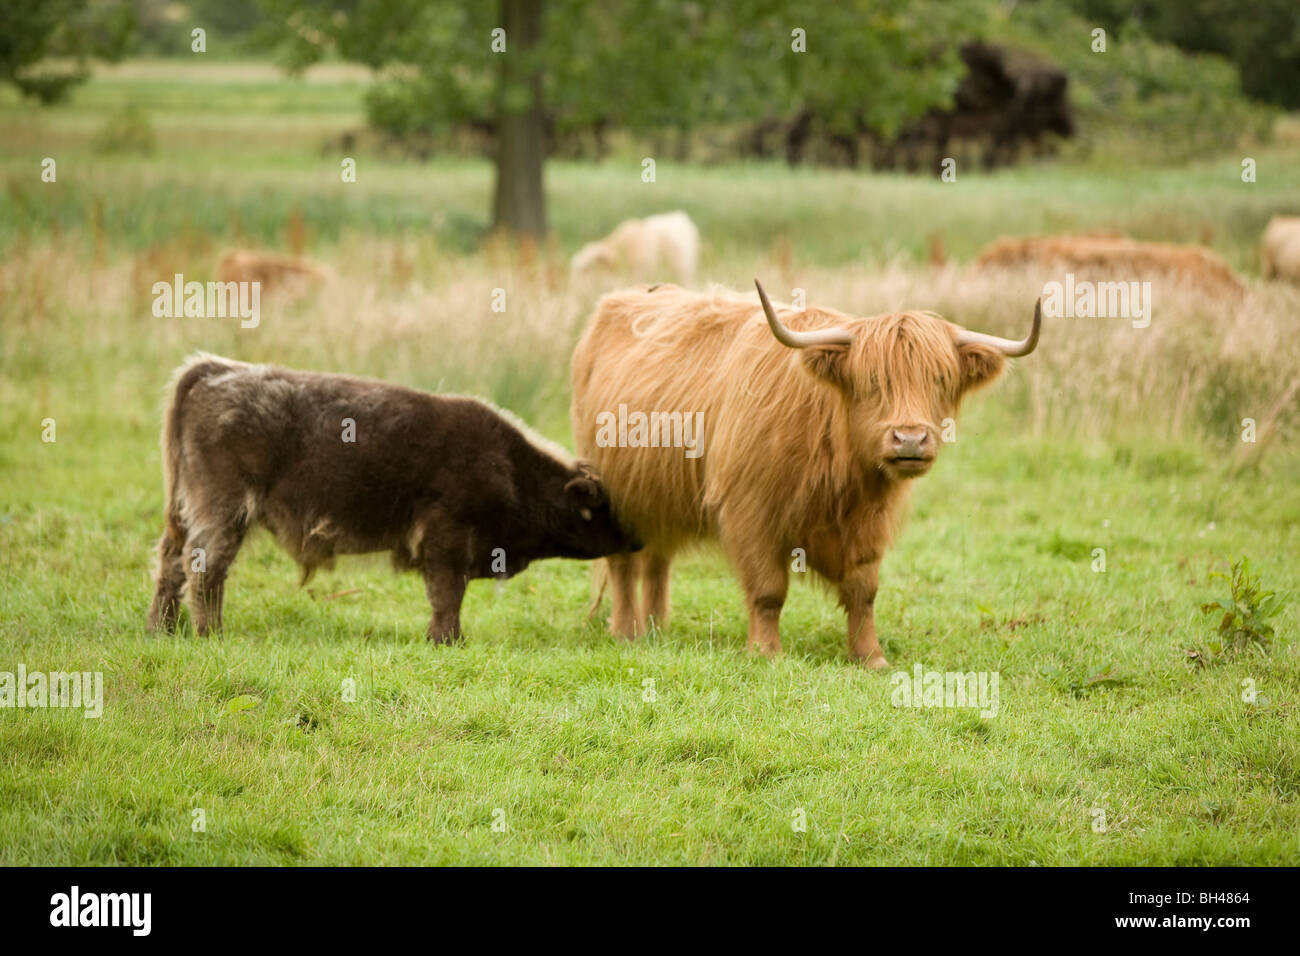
1279,249
814,424
640,248
271,271
1112,256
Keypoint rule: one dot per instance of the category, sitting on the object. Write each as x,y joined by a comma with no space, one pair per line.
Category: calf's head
589,528
900,376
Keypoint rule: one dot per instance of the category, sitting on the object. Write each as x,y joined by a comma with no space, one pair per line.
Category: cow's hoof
625,631
876,662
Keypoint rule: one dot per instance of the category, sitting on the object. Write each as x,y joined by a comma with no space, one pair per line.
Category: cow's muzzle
910,450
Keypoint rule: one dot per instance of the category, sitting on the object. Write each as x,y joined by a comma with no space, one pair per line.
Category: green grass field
1120,737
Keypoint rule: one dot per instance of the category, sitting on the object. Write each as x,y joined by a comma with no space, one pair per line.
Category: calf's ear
980,365
585,490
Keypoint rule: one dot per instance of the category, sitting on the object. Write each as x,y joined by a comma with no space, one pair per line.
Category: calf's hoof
161,622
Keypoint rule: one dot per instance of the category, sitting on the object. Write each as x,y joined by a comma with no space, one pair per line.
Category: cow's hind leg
622,585
207,558
166,608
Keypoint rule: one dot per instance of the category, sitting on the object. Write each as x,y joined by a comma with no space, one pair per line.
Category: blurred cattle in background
938,253
1009,99
813,423
1279,249
272,271
1110,256
666,246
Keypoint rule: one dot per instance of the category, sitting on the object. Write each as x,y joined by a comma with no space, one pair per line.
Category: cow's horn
1008,347
800,340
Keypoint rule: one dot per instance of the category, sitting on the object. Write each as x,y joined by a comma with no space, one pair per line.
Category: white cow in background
1280,249
646,249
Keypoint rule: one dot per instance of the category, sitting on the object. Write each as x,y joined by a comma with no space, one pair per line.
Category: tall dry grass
407,311
1200,367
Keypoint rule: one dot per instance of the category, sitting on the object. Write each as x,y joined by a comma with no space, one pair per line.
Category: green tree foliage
163,26
652,64
1262,38
45,45
646,64
1140,96
649,66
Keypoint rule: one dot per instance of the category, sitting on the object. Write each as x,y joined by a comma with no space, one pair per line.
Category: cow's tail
194,370
599,581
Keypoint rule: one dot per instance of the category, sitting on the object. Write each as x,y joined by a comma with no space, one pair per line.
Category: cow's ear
586,490
827,362
980,365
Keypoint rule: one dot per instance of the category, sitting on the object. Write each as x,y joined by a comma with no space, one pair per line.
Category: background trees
567,74
645,65
45,45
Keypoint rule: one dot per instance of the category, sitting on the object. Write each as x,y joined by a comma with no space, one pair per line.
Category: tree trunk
519,205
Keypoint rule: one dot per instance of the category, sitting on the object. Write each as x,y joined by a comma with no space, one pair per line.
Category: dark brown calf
337,465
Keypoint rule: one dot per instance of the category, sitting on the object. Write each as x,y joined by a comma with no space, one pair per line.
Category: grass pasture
1121,738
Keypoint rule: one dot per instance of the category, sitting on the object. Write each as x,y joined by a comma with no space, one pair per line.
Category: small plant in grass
127,130
1244,615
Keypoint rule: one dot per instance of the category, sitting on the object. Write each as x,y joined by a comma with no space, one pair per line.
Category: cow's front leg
654,590
858,596
445,587
622,587
765,580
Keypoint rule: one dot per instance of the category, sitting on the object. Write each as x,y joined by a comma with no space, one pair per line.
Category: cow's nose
911,442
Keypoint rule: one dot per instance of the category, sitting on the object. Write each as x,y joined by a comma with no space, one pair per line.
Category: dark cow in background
811,435
332,464
1008,99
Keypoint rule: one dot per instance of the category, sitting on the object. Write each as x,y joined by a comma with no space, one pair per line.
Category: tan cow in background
813,424
1111,256
271,271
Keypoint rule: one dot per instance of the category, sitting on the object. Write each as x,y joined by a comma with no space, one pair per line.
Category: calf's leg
445,587
207,558
165,610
